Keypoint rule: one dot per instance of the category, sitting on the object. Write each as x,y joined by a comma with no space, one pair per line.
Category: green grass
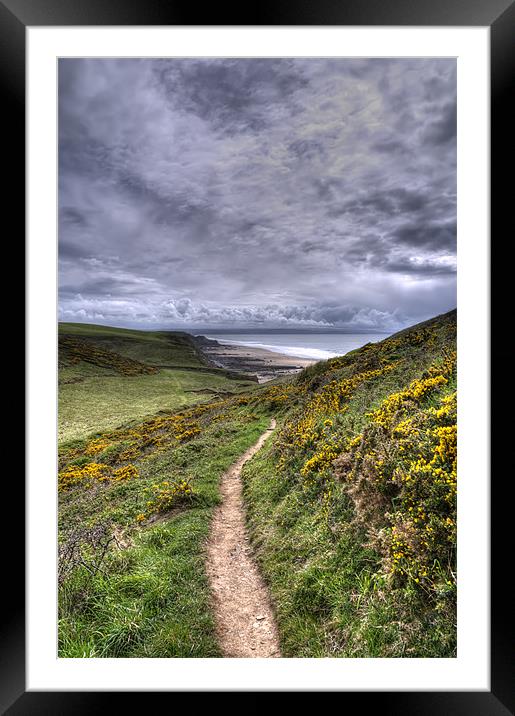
167,348
151,601
330,599
152,598
319,534
97,397
99,403
316,536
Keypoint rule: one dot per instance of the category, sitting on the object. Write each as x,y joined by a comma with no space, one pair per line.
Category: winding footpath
245,622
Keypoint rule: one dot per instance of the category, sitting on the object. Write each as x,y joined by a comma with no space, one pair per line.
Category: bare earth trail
245,622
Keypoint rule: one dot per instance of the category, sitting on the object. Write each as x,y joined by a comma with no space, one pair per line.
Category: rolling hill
350,504
108,376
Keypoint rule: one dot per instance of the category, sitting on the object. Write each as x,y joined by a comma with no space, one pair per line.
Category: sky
257,193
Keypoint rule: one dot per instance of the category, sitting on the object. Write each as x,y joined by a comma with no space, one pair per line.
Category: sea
313,346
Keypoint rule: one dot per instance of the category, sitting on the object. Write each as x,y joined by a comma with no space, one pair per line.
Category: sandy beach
265,365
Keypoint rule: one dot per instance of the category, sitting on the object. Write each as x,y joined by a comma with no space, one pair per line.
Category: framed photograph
259,315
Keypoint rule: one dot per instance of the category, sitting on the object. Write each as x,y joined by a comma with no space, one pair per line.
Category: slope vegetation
109,376
351,508
162,348
353,503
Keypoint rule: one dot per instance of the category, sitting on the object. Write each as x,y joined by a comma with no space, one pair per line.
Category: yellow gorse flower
92,473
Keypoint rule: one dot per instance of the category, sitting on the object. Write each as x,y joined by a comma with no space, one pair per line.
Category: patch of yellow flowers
96,446
413,451
314,427
136,442
92,473
416,392
166,495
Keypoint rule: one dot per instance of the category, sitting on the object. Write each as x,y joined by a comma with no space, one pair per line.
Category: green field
351,504
94,398
100,403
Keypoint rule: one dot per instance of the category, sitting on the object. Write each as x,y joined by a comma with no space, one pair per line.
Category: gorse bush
119,448
401,474
166,495
93,473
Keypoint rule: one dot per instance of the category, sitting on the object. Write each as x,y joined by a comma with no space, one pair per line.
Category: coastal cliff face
204,341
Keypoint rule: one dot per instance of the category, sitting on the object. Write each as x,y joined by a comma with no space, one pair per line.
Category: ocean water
315,346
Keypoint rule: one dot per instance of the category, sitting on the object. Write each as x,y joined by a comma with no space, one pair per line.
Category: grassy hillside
351,506
108,376
137,483
135,507
161,348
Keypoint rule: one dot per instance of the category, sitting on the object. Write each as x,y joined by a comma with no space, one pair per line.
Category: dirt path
245,622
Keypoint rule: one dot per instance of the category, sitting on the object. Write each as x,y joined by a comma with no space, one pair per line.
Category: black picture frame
499,15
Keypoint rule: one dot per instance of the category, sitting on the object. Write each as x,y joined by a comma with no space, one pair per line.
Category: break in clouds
257,193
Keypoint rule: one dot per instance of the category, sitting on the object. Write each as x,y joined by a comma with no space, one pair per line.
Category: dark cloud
68,250
231,95
257,191
388,202
307,149
434,237
443,130
389,146
424,267
71,216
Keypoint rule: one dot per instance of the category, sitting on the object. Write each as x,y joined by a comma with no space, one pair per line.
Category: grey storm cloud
257,192
435,236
